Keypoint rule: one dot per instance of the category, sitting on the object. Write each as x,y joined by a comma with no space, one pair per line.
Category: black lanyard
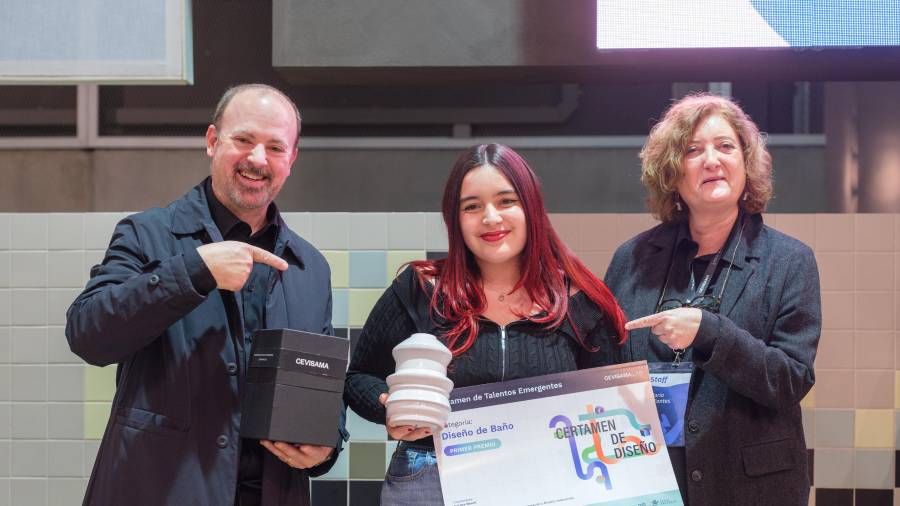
707,275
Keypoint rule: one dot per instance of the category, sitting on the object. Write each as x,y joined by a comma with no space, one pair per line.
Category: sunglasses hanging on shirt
700,299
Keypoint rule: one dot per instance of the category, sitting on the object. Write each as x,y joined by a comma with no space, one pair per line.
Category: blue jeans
412,478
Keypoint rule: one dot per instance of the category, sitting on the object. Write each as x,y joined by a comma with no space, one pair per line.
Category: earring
744,198
678,205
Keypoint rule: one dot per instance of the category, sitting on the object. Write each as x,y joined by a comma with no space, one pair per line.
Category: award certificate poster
589,437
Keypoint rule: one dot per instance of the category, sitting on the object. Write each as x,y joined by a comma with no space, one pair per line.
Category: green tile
395,259
340,268
96,414
367,461
361,302
99,383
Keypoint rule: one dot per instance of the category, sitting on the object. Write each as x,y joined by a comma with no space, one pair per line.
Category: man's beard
248,198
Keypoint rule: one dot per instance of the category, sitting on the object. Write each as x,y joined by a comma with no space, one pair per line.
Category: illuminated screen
645,24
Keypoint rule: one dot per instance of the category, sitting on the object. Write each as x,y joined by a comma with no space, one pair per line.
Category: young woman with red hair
510,301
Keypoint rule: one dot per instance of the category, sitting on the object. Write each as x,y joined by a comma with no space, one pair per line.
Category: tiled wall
53,408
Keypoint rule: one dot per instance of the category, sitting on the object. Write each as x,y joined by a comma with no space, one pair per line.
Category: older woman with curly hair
734,300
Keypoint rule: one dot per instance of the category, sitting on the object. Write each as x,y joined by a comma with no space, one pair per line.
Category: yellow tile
99,383
896,389
397,258
340,268
96,415
810,400
361,302
874,428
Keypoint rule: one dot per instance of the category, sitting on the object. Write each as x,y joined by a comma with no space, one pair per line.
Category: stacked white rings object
419,389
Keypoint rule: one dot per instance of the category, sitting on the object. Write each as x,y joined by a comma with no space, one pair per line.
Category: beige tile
874,389
874,232
799,226
896,271
598,232
837,310
874,428
568,229
629,225
874,310
596,261
839,385
833,468
874,271
897,232
874,349
835,270
874,469
897,351
836,348
834,232
834,428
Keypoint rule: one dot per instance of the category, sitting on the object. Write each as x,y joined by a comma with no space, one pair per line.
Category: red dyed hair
546,262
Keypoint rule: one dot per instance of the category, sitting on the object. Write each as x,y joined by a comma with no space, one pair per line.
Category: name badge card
671,383
589,437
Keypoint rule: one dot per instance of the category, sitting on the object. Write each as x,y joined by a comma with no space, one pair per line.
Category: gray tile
98,229
65,269
68,458
28,345
5,420
5,382
29,269
364,430
5,273
435,232
29,307
5,345
5,306
65,382
29,231
5,457
299,223
331,230
406,231
834,428
90,455
28,491
809,427
58,351
4,492
66,491
58,302
874,469
833,468
29,420
65,420
92,258
65,231
5,231
368,231
29,459
29,383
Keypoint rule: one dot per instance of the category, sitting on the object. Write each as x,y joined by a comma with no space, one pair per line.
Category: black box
294,387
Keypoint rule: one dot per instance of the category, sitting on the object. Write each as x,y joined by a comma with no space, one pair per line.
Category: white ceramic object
419,389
